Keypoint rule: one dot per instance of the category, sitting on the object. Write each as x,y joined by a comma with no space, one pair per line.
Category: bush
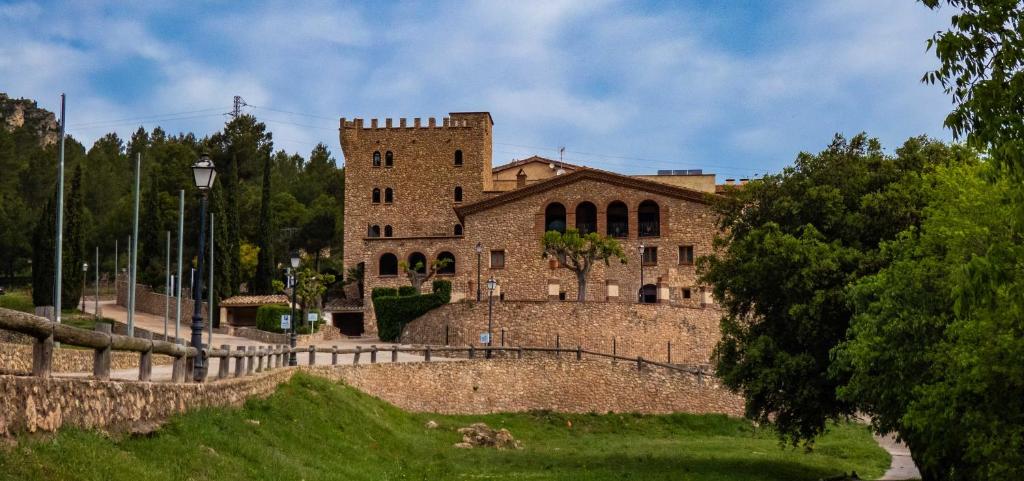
268,317
406,291
383,292
395,311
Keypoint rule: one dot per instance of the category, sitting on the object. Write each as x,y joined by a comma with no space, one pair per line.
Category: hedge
405,291
268,318
383,292
395,311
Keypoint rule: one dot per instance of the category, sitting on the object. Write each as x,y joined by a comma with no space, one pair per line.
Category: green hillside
312,429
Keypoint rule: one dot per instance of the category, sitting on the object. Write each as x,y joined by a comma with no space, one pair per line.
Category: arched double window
418,262
387,265
458,194
373,231
586,217
375,197
388,231
389,159
618,219
458,158
458,229
376,159
389,195
449,267
648,219
554,217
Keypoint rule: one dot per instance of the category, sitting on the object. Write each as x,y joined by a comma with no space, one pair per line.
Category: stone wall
18,358
153,302
326,332
482,387
638,329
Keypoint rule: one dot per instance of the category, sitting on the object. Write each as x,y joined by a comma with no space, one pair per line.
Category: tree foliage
579,253
265,266
790,245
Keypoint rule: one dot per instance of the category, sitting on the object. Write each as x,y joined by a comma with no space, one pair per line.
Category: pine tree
74,244
151,239
262,281
222,275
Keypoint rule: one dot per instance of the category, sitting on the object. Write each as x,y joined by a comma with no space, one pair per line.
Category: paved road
902,466
163,372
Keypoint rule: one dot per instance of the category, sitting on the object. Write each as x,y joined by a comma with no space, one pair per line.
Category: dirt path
902,466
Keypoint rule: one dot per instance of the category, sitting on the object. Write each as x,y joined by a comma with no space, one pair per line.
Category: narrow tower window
389,195
376,159
389,159
375,197
458,194
458,158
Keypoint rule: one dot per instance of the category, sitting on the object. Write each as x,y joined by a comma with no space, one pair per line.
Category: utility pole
58,261
236,109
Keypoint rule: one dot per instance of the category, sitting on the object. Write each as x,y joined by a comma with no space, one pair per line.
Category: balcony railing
586,227
618,229
649,229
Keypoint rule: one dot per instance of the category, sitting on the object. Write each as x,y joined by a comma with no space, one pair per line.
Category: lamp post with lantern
491,284
204,174
640,296
479,250
85,274
293,279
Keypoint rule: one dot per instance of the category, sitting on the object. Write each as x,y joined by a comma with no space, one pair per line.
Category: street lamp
204,174
85,272
641,291
491,284
292,279
479,250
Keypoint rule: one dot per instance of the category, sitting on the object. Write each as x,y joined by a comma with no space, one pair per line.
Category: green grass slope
313,429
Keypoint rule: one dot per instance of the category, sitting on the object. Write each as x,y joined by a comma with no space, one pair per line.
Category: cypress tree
231,208
43,255
151,239
262,282
74,244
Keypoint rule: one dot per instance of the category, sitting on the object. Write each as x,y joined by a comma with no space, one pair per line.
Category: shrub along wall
395,309
268,318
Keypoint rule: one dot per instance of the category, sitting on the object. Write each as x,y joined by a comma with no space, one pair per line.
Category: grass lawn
312,429
17,300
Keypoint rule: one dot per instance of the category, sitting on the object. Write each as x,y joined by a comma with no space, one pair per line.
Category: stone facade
408,207
31,404
588,386
17,358
648,330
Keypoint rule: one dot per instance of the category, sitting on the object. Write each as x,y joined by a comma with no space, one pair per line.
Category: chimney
730,181
744,181
520,179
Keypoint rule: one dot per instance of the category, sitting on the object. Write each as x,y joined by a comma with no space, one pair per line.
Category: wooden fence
252,359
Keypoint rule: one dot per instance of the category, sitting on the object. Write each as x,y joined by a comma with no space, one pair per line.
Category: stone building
418,192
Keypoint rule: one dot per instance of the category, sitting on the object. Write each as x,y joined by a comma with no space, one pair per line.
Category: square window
686,293
497,259
650,256
686,255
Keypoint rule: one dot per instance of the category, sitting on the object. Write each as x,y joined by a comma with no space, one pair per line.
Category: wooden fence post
426,355
446,334
101,358
312,354
579,353
259,359
225,362
334,355
472,351
280,355
355,357
558,346
42,356
178,365
249,367
519,352
146,358
669,352
373,354
394,353
639,363
240,361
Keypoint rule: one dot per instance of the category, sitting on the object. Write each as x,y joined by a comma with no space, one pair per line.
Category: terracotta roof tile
239,301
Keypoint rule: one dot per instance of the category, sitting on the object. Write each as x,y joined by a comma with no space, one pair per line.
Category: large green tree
74,244
790,244
266,267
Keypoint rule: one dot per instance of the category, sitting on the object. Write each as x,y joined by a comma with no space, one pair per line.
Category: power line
147,117
143,122
275,121
293,113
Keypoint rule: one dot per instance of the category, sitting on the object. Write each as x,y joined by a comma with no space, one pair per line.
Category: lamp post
479,250
204,174
85,273
293,279
491,284
641,291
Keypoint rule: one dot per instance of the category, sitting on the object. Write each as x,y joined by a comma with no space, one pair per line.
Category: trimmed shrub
383,291
395,311
268,317
405,291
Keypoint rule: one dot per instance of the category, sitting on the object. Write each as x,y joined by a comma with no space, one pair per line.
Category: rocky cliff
18,113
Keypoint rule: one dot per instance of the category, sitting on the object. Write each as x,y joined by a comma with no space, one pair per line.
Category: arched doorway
649,294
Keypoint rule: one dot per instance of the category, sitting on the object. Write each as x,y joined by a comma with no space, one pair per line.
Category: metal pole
292,361
198,371
135,246
58,266
490,307
85,274
181,246
96,300
209,290
167,286
478,252
115,263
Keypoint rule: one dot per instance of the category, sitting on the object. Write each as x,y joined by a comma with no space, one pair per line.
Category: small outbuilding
239,311
346,315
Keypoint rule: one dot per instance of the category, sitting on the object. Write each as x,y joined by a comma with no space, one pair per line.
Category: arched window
389,159
389,195
376,159
458,194
388,231
554,217
458,229
649,294
648,219
418,262
586,217
375,198
448,268
618,219
373,231
458,157
388,265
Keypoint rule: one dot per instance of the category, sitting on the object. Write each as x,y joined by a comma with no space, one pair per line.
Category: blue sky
736,88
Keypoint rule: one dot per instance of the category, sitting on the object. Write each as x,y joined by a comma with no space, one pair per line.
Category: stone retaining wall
18,358
326,332
30,404
154,303
638,329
